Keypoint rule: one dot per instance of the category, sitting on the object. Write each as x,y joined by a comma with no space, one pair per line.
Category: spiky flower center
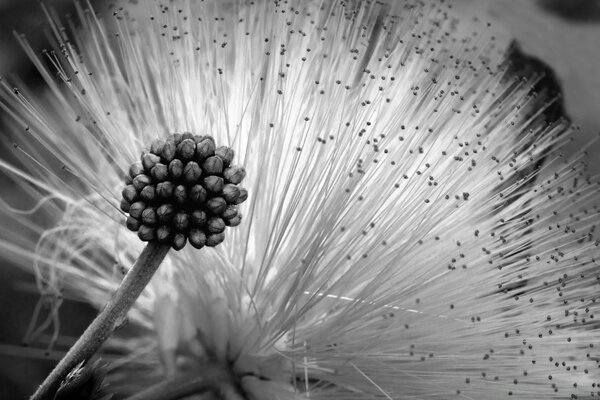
184,188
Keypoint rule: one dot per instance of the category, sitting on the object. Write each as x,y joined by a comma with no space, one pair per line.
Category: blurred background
564,34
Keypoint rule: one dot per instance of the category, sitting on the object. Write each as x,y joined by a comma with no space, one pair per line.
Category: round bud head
183,189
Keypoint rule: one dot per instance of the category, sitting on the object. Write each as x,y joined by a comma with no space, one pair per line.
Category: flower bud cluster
184,189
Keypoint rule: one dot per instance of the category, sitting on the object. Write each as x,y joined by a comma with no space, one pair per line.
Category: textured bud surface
184,189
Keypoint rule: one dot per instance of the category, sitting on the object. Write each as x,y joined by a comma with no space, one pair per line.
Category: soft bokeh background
565,34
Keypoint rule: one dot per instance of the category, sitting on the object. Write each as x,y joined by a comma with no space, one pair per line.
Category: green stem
211,378
102,327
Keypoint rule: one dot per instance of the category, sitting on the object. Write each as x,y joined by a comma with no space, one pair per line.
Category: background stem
211,377
103,325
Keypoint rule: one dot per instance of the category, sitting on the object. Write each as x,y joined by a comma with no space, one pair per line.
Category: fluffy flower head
410,231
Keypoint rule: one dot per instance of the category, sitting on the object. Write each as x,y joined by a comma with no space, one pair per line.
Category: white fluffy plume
412,231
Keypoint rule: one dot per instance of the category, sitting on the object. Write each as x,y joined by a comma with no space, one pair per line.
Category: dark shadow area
573,10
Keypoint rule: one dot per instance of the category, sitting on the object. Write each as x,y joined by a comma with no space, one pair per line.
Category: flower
411,230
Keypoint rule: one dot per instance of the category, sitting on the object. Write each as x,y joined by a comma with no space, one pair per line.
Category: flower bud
213,166
242,197
180,195
216,205
181,221
179,240
226,154
132,224
174,194
214,239
146,233
149,160
214,184
177,138
186,149
136,209
205,149
159,172
215,225
235,221
197,194
148,193
165,213
234,174
156,147
175,169
130,193
164,190
187,135
191,172
198,218
135,169
229,213
231,193
168,151
163,233
125,205
197,238
141,181
149,216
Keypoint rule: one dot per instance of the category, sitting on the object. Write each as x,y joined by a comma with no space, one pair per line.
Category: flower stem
103,325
